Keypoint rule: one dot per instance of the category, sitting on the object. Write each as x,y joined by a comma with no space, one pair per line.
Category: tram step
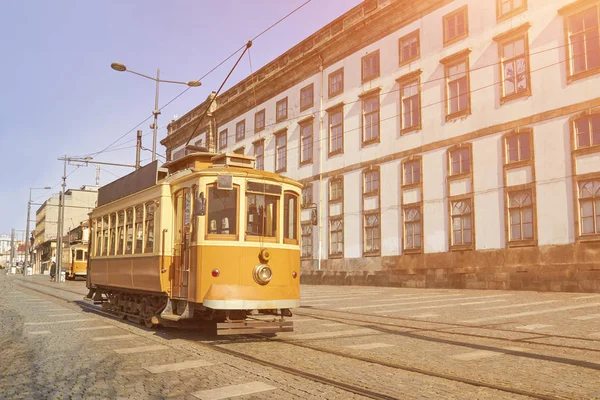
171,317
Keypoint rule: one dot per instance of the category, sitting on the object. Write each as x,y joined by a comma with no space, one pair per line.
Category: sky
59,96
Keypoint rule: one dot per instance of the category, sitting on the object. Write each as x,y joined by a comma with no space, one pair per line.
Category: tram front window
222,211
261,211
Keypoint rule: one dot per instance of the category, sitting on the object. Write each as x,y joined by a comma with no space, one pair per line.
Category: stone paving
399,343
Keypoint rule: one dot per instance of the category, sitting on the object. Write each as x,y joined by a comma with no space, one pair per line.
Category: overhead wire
280,20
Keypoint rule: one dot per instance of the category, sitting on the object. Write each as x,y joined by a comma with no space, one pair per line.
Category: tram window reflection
261,211
290,221
222,211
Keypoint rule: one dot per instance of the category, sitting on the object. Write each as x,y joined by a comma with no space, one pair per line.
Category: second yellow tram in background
206,237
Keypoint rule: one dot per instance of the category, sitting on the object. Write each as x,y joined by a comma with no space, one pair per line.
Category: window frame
586,237
304,237
449,62
260,143
453,14
527,242
365,58
405,207
257,116
339,108
238,137
298,222
505,150
279,168
372,212
147,222
303,124
409,36
309,187
411,160
340,217
226,236
461,147
567,12
304,107
366,97
592,148
222,142
331,93
514,11
461,198
511,36
265,239
280,118
403,81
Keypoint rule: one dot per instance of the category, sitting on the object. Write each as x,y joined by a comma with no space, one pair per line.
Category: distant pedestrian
53,271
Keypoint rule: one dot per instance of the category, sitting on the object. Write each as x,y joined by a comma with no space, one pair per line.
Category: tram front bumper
237,297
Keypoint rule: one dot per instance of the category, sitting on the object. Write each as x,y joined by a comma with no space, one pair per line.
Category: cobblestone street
348,343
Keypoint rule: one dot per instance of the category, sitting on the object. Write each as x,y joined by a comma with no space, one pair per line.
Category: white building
443,143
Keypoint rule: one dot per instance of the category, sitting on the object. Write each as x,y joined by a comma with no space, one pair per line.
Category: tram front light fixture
262,274
294,274
215,273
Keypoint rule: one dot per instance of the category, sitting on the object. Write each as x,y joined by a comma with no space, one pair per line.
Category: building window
587,131
509,8
584,43
259,154
281,151
371,119
240,130
336,82
336,236
409,47
336,190
518,147
336,132
456,26
307,240
370,66
410,93
520,215
589,207
306,97
282,110
259,121
306,146
458,100
222,139
462,227
336,217
371,233
307,194
460,161
412,172
515,68
412,228
371,182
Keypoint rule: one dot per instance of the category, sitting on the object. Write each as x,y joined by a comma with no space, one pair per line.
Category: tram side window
129,232
139,228
261,211
222,211
105,236
149,228
96,237
114,232
79,256
290,216
121,234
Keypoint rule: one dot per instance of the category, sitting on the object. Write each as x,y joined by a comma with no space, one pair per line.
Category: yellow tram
78,265
206,237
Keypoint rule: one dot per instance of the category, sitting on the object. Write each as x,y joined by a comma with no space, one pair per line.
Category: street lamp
122,68
27,258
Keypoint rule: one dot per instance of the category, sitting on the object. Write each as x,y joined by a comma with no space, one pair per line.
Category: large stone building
78,203
442,143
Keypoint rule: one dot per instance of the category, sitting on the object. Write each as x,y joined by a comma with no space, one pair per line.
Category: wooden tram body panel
181,264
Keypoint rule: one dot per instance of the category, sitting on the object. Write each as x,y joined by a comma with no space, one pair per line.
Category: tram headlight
262,274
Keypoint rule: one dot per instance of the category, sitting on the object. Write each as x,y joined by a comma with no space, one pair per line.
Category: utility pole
61,215
12,247
26,263
138,149
156,113
97,174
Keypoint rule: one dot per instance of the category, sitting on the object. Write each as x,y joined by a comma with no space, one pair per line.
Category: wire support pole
156,113
61,217
27,260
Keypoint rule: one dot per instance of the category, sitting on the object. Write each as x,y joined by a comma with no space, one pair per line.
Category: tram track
218,345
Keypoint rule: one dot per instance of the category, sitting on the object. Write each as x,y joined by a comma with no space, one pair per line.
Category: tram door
183,208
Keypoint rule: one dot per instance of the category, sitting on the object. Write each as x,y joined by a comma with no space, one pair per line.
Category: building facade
78,203
441,143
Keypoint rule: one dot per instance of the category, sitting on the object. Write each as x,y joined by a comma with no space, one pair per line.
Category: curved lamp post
122,68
